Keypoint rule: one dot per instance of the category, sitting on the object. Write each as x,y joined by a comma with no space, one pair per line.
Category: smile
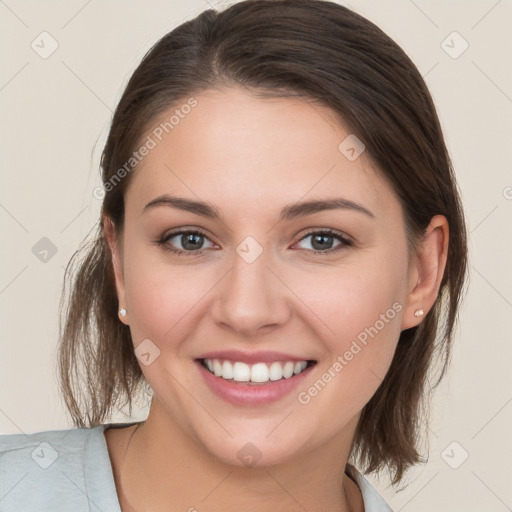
259,373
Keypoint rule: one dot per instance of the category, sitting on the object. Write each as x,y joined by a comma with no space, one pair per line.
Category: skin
250,157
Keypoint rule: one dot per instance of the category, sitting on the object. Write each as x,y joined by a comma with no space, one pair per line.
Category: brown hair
327,53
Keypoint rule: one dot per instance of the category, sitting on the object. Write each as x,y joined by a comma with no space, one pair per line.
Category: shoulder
62,438
52,470
373,501
43,449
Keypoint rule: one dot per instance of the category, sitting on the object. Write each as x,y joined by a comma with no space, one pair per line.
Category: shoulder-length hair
277,48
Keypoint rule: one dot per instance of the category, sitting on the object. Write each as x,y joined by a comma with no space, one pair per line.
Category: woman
279,261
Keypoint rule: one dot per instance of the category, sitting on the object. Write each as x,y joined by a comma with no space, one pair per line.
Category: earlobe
428,269
112,242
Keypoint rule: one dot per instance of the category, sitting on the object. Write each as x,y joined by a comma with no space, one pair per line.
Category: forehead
242,152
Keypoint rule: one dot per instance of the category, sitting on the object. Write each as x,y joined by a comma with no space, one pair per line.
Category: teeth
276,371
259,372
241,372
217,368
227,370
288,369
298,367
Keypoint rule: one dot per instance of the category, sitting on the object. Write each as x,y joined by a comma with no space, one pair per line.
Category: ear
426,271
114,244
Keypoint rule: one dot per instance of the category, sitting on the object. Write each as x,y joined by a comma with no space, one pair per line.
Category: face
264,280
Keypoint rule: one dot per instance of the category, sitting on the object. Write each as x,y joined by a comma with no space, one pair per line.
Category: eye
322,241
191,242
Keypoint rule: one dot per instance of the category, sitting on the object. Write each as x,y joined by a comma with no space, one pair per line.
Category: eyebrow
289,212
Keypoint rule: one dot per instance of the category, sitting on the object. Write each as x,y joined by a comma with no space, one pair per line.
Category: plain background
55,114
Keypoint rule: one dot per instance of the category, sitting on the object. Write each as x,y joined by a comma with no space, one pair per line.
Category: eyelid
330,231
346,241
183,231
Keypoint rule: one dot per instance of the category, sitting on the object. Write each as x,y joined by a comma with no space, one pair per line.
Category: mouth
259,373
255,378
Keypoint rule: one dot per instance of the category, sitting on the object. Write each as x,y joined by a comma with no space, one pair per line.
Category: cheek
161,297
354,297
363,312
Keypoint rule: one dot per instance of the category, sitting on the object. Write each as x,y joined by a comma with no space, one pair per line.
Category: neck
158,464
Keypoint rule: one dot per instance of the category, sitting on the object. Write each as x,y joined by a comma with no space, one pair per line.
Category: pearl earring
418,312
122,312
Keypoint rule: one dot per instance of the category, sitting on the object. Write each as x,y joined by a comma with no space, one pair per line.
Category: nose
252,299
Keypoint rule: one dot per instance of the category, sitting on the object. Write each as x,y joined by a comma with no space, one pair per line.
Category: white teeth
217,367
227,370
259,372
276,371
299,366
241,372
288,369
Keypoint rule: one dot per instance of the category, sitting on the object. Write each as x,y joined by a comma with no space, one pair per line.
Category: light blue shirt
70,471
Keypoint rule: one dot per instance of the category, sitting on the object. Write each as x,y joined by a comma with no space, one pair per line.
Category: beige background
55,114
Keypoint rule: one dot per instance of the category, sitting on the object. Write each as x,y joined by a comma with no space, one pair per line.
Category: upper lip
266,356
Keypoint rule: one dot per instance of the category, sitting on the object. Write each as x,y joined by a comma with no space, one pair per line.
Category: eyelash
345,242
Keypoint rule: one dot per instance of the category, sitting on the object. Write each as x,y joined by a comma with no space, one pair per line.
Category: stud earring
418,312
122,312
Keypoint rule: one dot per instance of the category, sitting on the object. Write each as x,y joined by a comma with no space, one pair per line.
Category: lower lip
243,393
